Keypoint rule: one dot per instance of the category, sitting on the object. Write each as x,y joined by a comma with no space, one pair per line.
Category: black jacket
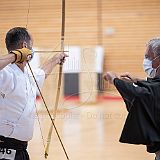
142,100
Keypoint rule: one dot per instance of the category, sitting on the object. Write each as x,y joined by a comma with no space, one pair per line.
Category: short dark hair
15,37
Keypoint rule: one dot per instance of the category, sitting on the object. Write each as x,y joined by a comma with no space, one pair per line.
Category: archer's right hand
128,77
21,55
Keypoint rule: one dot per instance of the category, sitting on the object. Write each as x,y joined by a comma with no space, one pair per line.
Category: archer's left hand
60,58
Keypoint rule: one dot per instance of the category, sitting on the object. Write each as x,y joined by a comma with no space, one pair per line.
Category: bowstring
28,11
49,114
40,127
41,132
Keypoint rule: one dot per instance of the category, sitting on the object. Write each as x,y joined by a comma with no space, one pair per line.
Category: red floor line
76,98
99,98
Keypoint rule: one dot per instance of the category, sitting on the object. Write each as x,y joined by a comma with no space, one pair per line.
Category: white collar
16,68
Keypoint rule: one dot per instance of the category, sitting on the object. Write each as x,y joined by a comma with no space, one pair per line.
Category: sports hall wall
121,26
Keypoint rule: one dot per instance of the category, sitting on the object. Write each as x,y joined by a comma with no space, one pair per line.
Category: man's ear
24,44
157,63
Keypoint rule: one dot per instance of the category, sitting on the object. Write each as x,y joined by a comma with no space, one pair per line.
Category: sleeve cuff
115,80
40,76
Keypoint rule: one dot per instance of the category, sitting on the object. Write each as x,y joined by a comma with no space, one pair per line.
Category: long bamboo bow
59,81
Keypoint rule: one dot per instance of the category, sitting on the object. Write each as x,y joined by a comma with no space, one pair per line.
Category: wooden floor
89,132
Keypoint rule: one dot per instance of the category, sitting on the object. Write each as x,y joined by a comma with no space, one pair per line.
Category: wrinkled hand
22,55
110,76
127,77
60,58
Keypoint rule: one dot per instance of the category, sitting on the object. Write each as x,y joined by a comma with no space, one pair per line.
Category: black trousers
19,146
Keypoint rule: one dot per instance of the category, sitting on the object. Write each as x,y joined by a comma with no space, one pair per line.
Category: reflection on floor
89,132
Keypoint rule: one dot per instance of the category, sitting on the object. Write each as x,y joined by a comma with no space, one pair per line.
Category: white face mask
147,66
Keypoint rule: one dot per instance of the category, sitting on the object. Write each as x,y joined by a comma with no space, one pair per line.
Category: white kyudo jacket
17,101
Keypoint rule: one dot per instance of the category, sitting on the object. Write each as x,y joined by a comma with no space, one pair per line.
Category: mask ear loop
157,68
156,58
158,65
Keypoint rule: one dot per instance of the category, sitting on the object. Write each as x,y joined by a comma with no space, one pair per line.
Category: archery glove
21,55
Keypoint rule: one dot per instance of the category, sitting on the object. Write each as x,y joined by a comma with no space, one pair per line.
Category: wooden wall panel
133,21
